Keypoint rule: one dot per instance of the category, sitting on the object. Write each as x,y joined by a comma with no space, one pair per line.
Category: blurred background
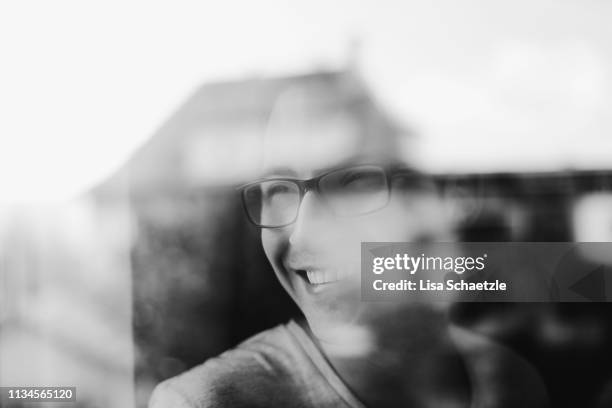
124,255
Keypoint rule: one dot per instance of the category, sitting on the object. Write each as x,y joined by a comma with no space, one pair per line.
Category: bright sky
491,85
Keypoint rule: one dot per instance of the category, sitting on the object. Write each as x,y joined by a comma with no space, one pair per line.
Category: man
315,204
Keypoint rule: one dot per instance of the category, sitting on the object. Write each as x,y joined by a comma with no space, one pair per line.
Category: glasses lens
355,190
272,203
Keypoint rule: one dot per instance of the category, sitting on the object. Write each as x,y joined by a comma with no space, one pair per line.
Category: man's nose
310,221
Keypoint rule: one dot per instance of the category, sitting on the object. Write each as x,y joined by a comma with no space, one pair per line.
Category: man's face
317,258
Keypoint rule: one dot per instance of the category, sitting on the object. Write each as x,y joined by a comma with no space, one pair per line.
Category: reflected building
201,282
164,244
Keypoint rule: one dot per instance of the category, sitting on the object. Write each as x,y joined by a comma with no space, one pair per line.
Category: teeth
319,277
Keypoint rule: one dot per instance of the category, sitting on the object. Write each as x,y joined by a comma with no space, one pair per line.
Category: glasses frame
313,184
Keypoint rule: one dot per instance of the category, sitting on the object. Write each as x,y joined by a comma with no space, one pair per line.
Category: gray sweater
280,367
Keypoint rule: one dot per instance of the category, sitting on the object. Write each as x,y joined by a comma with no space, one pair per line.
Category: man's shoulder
237,377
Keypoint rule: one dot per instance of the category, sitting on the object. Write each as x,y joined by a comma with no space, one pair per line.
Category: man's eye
276,189
350,177
359,180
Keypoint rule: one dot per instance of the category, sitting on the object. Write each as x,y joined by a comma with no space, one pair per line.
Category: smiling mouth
318,277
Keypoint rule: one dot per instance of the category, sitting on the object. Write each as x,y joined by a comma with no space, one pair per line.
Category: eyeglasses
351,191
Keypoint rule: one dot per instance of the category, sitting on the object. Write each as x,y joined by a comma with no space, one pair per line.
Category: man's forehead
306,135
317,143
281,171
303,170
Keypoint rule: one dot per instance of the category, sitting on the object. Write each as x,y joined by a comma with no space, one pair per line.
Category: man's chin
331,306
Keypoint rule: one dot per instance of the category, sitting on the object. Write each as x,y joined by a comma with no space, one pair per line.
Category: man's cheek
273,243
